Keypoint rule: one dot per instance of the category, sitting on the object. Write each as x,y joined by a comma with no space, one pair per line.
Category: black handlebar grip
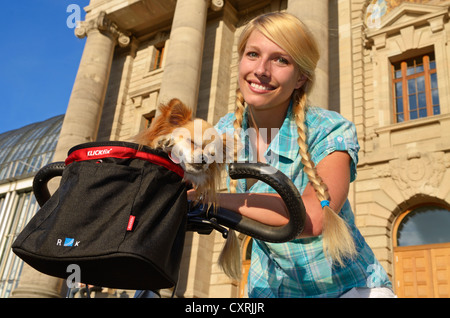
287,191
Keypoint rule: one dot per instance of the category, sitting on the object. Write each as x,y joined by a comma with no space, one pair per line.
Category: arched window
422,252
424,225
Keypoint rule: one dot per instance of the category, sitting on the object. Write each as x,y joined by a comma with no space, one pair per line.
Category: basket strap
120,152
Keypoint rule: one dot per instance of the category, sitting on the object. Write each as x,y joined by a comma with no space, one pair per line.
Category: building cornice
420,15
105,25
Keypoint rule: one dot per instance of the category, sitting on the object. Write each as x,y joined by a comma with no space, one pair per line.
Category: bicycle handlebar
287,191
273,177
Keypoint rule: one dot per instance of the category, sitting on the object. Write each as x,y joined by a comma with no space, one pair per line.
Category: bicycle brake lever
203,226
199,222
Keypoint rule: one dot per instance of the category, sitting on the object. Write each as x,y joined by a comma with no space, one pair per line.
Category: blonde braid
230,256
239,113
338,242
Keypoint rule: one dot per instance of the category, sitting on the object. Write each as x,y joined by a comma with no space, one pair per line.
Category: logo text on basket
68,241
98,152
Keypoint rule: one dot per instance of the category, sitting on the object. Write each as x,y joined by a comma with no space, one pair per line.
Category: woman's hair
292,36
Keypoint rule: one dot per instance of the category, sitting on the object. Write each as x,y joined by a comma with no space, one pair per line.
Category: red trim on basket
95,153
130,223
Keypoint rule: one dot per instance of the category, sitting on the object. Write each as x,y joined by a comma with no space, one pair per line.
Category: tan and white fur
202,153
194,144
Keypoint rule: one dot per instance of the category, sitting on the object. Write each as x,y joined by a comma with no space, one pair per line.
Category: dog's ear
178,114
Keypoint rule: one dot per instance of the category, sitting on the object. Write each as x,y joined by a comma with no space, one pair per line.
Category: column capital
103,24
216,5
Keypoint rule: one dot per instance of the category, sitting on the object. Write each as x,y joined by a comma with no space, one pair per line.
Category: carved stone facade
401,164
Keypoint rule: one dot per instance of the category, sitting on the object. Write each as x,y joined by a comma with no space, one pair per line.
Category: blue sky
39,58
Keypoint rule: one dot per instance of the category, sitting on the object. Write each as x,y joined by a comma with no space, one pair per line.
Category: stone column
80,123
86,101
181,79
183,63
316,19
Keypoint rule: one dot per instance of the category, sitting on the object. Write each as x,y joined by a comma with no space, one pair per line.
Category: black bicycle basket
119,214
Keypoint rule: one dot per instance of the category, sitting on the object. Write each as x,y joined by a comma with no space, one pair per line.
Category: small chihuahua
202,153
194,144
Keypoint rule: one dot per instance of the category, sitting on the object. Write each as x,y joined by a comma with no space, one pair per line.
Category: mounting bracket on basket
198,222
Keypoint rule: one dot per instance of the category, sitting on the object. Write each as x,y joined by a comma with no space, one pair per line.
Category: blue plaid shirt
299,268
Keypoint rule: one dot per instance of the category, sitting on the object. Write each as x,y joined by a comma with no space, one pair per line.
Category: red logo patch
130,223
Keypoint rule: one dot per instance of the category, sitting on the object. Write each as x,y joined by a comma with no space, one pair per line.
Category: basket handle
41,179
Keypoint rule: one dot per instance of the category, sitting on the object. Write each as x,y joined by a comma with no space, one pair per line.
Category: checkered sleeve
329,131
225,124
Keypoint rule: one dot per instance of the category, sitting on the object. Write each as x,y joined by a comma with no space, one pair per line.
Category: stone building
384,66
23,152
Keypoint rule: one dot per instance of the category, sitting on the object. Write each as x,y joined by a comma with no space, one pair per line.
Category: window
415,88
157,57
24,206
422,252
148,119
424,225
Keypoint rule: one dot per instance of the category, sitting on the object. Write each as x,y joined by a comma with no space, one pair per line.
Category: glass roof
25,150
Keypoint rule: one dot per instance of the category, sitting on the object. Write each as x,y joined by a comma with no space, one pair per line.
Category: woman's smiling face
267,74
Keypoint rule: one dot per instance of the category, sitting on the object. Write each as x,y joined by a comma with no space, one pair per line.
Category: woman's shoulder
329,131
322,122
318,114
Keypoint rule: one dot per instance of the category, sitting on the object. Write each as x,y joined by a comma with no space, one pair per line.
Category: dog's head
192,143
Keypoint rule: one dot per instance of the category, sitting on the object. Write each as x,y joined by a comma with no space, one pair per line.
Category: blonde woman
317,149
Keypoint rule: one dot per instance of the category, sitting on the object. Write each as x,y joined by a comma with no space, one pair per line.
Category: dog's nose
196,167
